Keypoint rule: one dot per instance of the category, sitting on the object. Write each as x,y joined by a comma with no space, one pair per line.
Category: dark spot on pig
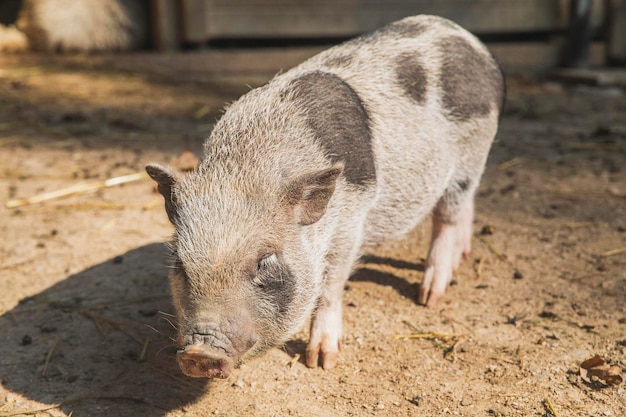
338,118
278,286
471,82
411,76
449,205
339,60
463,184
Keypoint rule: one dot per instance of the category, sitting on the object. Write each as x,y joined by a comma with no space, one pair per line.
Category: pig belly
413,171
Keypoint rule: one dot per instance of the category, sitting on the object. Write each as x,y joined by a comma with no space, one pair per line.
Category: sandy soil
85,326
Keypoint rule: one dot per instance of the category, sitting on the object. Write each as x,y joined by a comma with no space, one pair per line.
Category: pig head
242,279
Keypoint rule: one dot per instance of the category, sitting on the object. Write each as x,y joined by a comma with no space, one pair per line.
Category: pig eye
266,260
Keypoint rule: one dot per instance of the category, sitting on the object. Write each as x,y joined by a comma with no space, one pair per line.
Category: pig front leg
326,331
451,240
326,323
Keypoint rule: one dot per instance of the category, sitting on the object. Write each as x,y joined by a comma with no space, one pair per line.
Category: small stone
517,274
488,230
380,406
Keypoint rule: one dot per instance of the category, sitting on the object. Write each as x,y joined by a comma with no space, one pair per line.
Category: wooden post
616,48
165,22
576,53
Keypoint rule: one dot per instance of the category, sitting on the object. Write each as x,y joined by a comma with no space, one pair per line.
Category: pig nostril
204,365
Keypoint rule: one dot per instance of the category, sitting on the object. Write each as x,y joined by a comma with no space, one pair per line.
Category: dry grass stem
444,341
510,163
49,356
30,412
411,326
76,189
493,249
7,404
108,206
294,360
18,264
614,252
445,337
479,268
144,350
117,325
550,406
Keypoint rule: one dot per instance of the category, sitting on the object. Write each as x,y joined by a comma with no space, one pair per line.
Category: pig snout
212,354
202,361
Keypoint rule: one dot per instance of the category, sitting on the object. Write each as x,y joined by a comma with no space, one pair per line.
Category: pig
299,177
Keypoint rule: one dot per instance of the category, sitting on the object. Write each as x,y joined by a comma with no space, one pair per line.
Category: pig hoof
433,287
427,299
312,356
328,360
200,365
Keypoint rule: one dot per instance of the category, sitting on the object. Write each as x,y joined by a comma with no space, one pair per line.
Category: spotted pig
352,148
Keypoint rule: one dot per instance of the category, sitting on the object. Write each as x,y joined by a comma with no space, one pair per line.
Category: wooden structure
524,34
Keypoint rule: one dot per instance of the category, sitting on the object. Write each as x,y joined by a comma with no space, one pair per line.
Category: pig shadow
401,285
99,342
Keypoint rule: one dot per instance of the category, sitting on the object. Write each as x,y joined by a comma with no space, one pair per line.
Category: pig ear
308,194
165,178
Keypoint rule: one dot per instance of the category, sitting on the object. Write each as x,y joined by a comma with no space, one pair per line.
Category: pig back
432,95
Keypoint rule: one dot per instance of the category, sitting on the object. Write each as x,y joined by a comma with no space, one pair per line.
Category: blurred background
526,35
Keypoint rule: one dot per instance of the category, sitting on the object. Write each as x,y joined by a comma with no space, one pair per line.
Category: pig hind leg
451,240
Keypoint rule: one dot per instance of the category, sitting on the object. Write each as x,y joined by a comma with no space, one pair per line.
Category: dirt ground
86,318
